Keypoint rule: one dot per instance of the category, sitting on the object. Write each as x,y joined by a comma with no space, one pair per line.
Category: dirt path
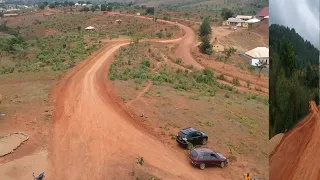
94,136
295,157
92,139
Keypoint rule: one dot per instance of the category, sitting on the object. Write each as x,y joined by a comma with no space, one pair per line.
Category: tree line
294,78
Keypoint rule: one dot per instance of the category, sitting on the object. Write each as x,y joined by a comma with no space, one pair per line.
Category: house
119,21
257,54
243,17
138,14
250,22
218,47
263,13
10,15
90,28
235,22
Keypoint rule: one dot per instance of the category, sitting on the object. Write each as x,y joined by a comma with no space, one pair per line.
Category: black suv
192,136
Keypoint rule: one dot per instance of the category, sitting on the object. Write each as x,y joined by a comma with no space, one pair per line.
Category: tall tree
226,13
205,28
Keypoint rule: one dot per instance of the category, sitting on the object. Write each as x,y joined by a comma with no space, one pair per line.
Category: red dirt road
93,139
297,155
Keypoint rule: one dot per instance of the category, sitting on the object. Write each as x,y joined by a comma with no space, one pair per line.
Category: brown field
217,115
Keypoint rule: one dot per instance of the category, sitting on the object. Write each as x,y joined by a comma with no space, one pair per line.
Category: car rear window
194,154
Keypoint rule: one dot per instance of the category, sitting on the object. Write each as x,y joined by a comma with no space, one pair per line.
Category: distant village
257,55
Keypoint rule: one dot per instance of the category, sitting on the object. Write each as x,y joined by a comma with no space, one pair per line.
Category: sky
302,15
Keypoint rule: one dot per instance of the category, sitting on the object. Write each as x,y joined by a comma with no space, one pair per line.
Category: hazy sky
302,15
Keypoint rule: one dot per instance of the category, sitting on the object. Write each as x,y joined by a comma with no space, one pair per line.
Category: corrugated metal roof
264,12
259,52
244,17
253,20
235,20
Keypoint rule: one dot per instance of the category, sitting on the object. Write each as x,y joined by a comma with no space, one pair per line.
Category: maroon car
203,157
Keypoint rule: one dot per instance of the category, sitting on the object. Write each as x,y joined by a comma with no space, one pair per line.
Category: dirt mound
274,142
261,28
296,157
11,142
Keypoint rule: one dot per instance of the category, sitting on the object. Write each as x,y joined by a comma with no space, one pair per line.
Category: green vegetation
228,52
131,65
205,34
150,10
205,28
294,78
226,13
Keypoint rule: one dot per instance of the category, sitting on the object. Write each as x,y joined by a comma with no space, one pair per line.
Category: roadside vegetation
59,42
294,78
185,97
205,36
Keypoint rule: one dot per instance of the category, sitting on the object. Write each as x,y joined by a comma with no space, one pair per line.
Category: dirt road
93,139
296,157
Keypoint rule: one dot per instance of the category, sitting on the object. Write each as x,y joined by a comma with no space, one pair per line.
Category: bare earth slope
297,155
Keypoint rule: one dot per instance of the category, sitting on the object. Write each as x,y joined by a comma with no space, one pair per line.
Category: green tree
294,78
205,28
150,10
109,8
52,5
206,47
226,13
261,65
228,52
103,7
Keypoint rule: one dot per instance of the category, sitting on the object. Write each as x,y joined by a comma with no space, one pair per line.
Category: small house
243,17
235,22
90,28
257,55
138,14
250,22
119,21
218,47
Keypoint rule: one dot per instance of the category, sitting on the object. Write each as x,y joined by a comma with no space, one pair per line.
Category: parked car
203,157
192,136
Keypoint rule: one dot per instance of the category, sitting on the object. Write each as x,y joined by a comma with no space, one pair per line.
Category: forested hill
303,49
294,78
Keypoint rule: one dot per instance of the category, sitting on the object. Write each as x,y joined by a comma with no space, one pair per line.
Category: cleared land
87,112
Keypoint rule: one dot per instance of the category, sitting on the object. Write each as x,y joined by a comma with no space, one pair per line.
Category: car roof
188,130
203,150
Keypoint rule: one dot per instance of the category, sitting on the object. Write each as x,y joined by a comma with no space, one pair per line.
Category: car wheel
204,141
202,166
222,164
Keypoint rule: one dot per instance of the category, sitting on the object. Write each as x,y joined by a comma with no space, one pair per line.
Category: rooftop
264,12
253,20
243,17
258,52
235,20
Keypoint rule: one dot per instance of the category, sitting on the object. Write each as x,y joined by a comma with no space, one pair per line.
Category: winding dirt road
296,157
93,138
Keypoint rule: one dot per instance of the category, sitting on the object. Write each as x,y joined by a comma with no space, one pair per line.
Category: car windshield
194,154
182,135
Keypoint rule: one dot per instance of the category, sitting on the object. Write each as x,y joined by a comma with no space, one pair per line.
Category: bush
159,34
206,47
236,82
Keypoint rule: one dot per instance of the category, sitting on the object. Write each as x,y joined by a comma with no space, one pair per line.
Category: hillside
238,6
294,79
